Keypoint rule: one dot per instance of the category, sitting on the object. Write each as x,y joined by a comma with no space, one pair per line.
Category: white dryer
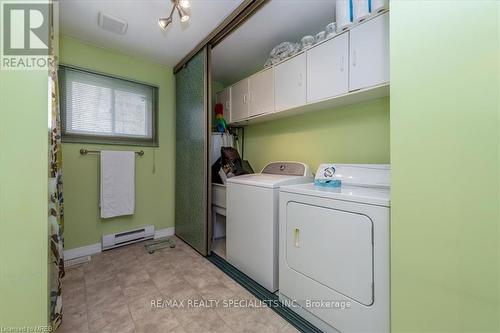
252,219
334,249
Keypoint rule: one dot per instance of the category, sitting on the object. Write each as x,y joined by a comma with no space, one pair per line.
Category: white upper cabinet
224,97
348,68
290,83
261,93
239,101
369,53
327,69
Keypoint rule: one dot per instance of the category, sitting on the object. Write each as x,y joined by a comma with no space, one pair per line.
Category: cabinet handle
300,80
342,63
296,234
227,105
250,96
354,60
244,98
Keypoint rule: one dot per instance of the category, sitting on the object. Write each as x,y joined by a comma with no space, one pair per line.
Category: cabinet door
239,101
261,93
224,98
369,57
290,83
327,69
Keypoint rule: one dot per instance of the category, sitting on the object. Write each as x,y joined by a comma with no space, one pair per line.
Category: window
98,108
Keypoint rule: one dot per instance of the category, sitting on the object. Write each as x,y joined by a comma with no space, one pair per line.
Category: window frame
103,139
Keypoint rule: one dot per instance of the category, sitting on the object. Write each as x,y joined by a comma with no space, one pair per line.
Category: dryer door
332,247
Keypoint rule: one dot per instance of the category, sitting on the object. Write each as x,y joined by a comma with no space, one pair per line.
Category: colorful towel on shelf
220,122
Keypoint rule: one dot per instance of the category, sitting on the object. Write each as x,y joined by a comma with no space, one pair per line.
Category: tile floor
113,293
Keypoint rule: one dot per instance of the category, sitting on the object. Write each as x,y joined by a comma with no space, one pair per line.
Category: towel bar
84,151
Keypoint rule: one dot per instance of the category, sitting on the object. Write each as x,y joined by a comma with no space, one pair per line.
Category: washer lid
268,180
367,195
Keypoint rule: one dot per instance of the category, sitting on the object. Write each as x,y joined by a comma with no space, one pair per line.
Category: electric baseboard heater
127,237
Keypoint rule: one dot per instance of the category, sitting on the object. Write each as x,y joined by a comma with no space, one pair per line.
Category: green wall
154,171
356,133
24,266
445,166
216,87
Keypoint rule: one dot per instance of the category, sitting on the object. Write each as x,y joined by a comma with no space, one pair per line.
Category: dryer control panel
287,169
364,175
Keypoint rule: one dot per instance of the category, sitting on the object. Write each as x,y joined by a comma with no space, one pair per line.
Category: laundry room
308,97
354,131
315,121
254,166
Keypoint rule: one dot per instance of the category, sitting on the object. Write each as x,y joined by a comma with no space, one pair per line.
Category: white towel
220,140
117,183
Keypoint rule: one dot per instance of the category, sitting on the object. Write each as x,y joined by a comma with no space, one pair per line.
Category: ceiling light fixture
183,14
163,22
184,4
181,6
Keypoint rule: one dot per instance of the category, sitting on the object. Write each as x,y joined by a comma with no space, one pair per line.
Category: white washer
334,246
252,219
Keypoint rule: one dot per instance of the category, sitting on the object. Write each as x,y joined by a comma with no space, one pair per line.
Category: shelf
353,97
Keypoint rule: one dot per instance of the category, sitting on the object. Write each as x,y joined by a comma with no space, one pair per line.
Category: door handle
296,236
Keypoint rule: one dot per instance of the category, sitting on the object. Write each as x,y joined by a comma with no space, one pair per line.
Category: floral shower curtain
56,212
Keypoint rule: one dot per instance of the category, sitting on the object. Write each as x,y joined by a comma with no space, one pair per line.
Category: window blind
100,108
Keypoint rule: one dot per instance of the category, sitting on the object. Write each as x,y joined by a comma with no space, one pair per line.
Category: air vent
112,23
76,261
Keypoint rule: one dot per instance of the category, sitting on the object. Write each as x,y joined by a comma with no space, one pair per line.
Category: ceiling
246,50
78,18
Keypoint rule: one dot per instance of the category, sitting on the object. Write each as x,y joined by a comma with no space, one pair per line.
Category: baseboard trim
92,249
82,251
164,232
